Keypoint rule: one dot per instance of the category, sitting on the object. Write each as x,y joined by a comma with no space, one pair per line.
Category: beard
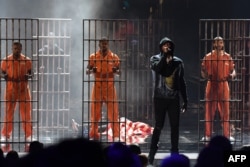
16,55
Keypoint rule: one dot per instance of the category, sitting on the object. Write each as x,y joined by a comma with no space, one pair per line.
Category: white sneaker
4,139
205,139
116,139
231,138
28,139
93,139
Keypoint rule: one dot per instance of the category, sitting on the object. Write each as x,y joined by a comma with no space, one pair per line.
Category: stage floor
189,143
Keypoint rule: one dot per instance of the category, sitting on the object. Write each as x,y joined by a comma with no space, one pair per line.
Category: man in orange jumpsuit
104,64
217,67
16,70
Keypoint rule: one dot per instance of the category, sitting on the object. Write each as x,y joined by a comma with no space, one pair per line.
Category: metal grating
134,41
54,52
235,34
23,31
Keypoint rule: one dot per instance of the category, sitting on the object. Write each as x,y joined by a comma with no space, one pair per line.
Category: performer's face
104,45
219,44
166,47
16,49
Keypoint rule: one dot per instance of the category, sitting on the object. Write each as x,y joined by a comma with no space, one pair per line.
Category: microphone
166,49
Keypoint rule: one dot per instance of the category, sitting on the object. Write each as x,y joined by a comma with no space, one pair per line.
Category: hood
165,40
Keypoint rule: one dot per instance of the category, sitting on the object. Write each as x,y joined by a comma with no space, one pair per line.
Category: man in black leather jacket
169,84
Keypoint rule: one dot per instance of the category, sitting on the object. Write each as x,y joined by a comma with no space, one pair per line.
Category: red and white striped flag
130,132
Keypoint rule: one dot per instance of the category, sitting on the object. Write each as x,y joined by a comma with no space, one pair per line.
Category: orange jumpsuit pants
104,92
17,90
217,94
217,97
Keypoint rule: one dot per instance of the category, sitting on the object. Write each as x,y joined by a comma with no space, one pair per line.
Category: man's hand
233,74
27,76
204,74
184,107
88,72
5,76
114,69
92,70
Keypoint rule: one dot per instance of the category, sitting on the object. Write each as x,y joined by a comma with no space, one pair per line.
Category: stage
189,143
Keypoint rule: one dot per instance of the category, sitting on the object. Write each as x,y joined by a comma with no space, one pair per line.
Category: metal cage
53,73
23,31
235,34
135,41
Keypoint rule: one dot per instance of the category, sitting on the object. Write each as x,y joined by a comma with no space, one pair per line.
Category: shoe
28,139
116,139
95,136
93,139
5,147
5,139
205,139
231,139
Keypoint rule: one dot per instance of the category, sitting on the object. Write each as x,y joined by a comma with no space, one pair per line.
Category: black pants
161,107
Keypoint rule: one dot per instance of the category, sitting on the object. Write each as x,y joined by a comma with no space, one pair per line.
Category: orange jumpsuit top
16,71
218,67
104,65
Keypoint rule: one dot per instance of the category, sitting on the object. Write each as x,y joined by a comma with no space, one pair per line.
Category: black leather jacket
168,79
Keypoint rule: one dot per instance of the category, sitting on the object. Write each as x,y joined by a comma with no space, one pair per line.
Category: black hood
165,40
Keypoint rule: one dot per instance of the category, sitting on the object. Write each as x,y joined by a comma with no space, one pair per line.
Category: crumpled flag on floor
130,132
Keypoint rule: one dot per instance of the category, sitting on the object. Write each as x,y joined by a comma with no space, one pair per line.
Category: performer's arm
4,75
232,67
157,63
3,72
233,74
29,75
204,73
116,69
91,68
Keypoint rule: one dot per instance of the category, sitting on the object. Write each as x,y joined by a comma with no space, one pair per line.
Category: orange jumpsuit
104,91
17,90
218,69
